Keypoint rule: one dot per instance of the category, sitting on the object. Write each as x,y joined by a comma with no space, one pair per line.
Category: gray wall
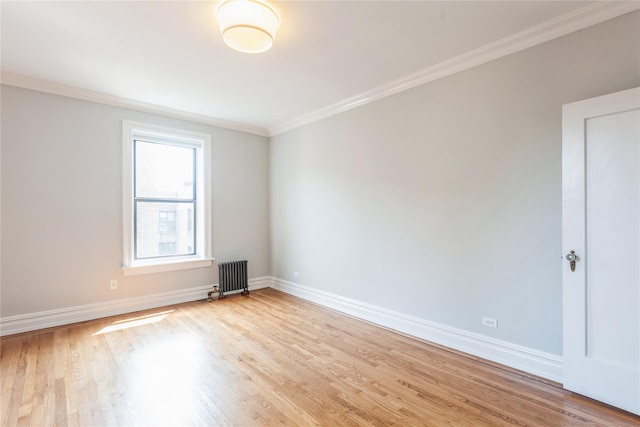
62,203
444,202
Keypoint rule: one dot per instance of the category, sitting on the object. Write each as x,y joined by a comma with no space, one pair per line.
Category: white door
601,224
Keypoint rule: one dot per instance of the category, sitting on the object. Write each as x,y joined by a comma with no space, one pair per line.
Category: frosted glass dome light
247,25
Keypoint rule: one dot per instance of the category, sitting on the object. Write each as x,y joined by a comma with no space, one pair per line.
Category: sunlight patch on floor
165,380
134,322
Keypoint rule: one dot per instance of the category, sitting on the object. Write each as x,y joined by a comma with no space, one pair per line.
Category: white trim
47,86
64,316
167,266
577,20
201,142
519,357
526,359
260,283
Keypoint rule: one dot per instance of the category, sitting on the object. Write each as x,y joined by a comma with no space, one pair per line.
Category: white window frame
202,144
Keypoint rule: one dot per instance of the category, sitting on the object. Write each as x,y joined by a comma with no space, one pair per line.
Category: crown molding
577,20
116,101
574,21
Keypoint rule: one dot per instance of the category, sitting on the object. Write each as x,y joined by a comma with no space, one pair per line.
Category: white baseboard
523,358
260,283
526,359
64,316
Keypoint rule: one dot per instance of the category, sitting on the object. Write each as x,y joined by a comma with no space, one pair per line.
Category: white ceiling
170,53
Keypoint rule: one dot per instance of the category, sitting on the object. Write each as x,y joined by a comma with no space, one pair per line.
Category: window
167,201
167,221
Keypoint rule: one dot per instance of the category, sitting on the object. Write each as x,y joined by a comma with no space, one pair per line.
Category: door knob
572,257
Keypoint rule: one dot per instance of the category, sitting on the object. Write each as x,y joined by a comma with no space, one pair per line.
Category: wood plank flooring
266,359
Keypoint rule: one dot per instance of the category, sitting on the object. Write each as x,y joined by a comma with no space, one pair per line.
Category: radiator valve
214,292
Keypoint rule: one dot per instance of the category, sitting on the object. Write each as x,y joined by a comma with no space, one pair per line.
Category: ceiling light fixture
247,25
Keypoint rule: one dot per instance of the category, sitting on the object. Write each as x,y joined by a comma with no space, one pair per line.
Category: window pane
164,171
164,229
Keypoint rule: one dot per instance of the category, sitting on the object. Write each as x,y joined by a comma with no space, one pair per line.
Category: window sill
173,265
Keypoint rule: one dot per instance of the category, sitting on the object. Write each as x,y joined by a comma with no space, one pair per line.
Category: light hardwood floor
266,359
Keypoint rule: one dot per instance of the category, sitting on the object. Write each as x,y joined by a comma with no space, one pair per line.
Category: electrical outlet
487,321
113,285
296,274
